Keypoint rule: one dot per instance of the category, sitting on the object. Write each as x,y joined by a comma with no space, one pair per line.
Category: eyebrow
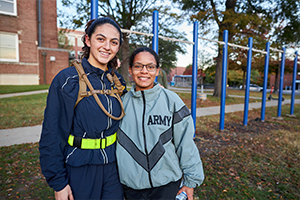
145,64
99,34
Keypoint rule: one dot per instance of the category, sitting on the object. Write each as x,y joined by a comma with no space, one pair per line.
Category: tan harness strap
83,93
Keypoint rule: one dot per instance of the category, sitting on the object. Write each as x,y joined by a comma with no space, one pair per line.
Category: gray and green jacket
155,141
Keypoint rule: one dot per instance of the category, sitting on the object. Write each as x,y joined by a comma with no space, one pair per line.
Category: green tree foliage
135,15
210,74
286,20
235,78
243,19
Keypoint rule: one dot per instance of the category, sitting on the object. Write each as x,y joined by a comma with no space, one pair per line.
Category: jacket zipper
144,135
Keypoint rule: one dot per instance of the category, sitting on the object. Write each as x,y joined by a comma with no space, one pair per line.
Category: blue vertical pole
224,78
281,83
265,84
94,9
294,84
155,33
247,91
194,74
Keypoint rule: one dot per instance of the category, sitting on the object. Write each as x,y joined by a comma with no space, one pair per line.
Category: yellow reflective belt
100,143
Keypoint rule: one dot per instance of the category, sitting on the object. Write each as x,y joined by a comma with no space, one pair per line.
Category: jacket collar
150,94
91,69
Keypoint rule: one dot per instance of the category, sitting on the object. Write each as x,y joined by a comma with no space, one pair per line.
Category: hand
189,192
64,194
161,85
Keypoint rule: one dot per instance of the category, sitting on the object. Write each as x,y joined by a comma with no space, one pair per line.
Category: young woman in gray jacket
155,147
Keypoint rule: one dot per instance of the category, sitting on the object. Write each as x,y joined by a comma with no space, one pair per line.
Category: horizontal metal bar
136,32
175,40
273,49
220,42
151,35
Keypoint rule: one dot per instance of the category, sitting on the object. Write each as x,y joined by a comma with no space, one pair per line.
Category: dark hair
143,49
90,29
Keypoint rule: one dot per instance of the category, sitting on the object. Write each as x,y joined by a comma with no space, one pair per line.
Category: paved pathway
32,134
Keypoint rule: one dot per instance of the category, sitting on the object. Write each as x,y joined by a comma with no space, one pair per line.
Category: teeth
104,53
143,78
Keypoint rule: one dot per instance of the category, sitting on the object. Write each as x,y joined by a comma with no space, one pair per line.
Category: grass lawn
257,161
22,111
258,94
212,101
5,89
28,110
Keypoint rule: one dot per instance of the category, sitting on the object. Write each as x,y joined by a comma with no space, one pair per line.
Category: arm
186,150
57,124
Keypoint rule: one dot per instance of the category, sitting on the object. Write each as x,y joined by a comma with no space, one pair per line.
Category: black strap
77,142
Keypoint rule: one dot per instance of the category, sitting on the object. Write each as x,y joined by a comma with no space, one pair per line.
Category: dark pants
165,192
95,182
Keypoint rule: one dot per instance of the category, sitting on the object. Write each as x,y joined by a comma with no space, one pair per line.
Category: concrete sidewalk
22,93
32,134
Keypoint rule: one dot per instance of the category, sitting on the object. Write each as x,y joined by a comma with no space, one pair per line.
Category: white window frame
15,8
71,40
17,48
79,42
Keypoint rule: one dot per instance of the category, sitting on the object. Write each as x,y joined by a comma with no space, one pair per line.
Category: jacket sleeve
186,150
58,117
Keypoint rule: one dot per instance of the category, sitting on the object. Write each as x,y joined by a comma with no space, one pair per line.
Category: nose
106,45
144,70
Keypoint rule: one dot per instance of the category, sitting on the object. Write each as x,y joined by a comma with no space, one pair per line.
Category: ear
130,70
87,40
157,72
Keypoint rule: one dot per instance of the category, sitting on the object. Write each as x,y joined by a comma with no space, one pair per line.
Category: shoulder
66,80
67,72
171,94
173,100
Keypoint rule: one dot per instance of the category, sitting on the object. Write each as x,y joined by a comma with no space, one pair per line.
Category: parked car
253,87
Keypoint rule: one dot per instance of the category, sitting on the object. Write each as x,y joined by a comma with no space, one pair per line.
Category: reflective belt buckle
105,143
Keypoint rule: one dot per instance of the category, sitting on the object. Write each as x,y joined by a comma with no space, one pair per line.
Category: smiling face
104,43
143,79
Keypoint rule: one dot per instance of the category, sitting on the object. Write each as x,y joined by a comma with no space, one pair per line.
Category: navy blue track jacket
87,120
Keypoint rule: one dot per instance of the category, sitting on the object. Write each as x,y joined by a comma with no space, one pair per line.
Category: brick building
175,71
287,81
29,53
72,38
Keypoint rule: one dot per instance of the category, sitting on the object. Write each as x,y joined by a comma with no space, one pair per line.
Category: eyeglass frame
144,65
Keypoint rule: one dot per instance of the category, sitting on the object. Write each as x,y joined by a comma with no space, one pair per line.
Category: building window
8,7
79,42
71,41
79,54
9,48
72,55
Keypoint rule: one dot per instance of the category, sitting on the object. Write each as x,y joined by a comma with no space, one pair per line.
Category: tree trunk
218,76
125,58
276,80
244,79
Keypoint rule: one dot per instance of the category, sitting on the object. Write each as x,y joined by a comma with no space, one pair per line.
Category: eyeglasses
140,67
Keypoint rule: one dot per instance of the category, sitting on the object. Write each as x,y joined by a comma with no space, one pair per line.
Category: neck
98,65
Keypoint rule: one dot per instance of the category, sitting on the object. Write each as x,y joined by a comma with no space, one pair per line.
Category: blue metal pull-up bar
224,78
281,83
294,84
265,84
